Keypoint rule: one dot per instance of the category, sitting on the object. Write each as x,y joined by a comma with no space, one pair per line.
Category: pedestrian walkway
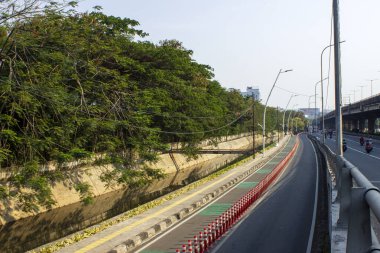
133,232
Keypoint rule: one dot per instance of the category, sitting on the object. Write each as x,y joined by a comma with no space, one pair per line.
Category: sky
247,42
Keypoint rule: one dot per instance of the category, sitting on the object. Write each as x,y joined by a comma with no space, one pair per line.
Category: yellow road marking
141,221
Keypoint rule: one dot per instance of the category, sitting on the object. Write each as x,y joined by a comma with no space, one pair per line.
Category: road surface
281,222
368,164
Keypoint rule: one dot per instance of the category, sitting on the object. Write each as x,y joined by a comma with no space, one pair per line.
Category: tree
77,84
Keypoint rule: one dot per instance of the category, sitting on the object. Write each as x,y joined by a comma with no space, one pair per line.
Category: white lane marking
376,157
220,244
348,139
358,142
311,235
207,205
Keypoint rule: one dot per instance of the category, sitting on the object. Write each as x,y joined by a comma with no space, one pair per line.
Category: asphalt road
283,221
368,164
280,222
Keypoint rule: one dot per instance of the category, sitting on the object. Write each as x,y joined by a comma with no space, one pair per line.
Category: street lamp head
288,70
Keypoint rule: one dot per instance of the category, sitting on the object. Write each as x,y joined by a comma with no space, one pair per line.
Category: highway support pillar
359,237
371,125
353,124
361,125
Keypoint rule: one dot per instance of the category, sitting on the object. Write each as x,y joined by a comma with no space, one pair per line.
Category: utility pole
371,80
338,79
253,127
278,131
283,118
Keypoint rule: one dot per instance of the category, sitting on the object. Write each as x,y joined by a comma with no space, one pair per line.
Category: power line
178,116
196,132
292,92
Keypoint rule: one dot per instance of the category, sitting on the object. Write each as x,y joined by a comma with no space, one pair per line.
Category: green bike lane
174,238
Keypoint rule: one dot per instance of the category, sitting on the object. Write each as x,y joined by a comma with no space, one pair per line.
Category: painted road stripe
153,251
197,212
245,185
360,151
143,220
264,171
220,244
215,209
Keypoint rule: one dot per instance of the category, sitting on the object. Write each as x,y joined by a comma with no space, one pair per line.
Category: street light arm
266,103
283,117
274,84
323,116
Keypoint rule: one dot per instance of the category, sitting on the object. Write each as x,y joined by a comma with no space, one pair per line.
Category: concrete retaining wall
21,231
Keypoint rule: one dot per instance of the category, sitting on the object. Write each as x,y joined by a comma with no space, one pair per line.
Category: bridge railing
357,198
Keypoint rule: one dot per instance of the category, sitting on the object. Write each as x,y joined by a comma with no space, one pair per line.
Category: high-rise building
252,92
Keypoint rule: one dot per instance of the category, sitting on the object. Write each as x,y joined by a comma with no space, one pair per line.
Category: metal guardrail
357,197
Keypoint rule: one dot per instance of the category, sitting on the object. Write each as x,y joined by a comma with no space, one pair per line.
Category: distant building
233,89
310,113
252,92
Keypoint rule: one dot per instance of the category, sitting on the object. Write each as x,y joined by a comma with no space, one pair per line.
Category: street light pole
278,132
315,101
315,107
291,114
308,113
253,127
283,118
266,103
323,115
371,80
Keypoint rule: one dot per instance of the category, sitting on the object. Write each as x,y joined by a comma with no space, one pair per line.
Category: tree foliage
77,84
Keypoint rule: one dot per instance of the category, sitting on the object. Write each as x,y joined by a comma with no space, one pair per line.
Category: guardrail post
344,196
359,237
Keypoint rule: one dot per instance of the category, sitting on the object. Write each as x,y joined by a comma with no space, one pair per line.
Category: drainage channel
194,227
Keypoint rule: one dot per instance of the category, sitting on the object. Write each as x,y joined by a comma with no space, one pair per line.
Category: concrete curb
142,237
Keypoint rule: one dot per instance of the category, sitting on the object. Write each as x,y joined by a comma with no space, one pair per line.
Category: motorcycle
344,145
361,141
368,147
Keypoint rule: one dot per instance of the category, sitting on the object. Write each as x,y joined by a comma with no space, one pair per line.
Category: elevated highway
362,116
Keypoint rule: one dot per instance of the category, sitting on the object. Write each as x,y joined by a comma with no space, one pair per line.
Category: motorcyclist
368,145
361,140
